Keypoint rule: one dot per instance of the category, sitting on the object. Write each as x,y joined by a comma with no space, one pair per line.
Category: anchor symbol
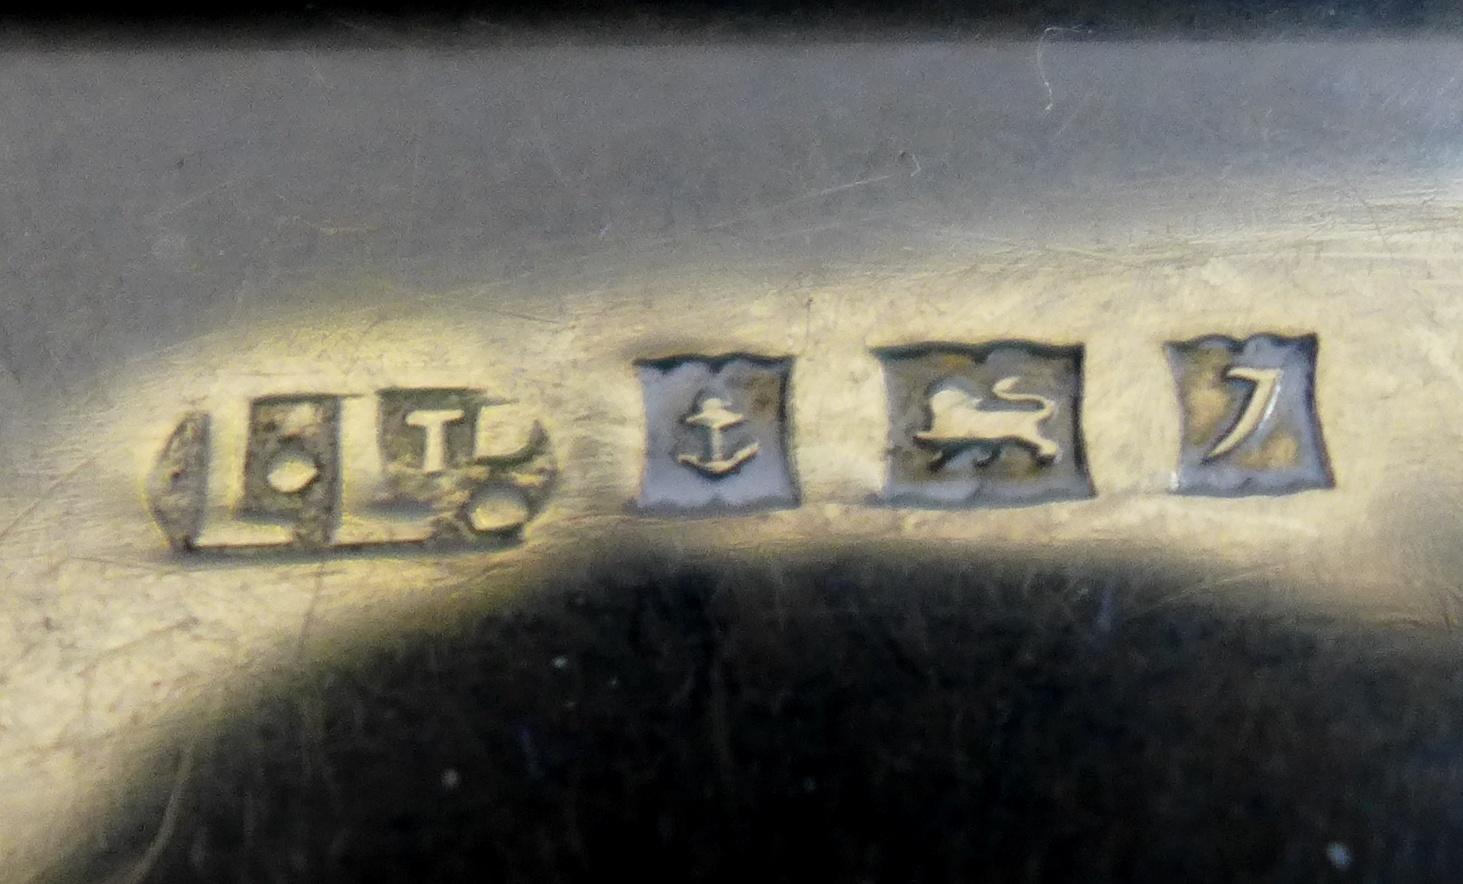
717,419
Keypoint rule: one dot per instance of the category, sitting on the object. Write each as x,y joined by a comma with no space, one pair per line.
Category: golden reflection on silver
397,398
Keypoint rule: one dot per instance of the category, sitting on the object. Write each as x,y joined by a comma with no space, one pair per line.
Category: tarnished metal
299,345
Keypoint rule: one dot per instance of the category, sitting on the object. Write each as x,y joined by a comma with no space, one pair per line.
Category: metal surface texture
310,345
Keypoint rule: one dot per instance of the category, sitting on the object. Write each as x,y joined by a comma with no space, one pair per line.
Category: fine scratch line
1041,66
48,494
166,826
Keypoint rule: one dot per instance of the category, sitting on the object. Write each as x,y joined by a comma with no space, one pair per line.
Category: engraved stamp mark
716,419
716,434
1249,416
992,424
958,423
177,486
292,465
438,453
444,469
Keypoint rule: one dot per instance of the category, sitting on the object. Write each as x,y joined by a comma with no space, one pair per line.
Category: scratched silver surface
185,226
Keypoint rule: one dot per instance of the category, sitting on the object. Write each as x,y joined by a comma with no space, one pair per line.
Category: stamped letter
1249,414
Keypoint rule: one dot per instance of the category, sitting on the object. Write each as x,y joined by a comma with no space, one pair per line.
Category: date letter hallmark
437,469
1250,424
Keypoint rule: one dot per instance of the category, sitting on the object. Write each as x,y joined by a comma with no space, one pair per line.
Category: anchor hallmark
716,419
716,434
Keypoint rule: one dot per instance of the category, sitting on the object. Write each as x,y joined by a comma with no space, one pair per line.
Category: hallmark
716,419
992,424
437,474
716,434
1249,416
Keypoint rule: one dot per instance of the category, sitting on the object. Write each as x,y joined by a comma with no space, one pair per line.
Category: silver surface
184,227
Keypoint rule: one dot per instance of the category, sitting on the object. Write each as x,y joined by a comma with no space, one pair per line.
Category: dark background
846,716
642,19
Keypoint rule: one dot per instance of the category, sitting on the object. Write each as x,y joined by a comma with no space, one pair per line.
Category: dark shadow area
369,20
871,717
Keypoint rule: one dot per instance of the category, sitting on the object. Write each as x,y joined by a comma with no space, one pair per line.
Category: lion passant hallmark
990,424
993,424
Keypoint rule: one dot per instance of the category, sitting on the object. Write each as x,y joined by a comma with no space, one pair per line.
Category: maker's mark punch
437,468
